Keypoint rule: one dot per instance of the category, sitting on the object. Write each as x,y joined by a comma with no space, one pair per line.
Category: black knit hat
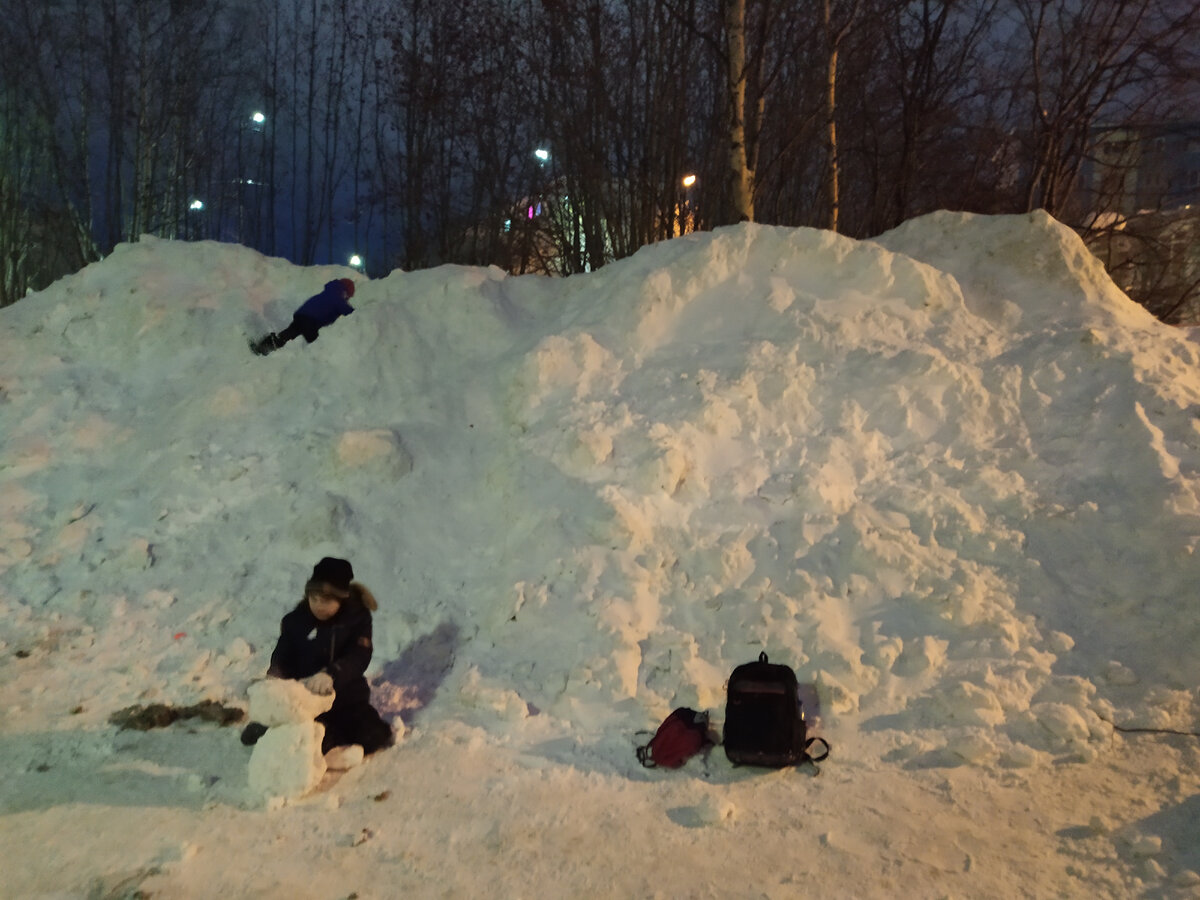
334,572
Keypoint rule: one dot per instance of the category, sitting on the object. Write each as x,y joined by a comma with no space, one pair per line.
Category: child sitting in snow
314,314
325,642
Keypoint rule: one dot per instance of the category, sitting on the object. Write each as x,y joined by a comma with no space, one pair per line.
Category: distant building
1136,168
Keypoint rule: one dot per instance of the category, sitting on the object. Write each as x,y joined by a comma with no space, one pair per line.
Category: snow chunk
287,761
281,701
1063,721
1118,673
921,655
1021,756
966,702
340,759
377,449
716,811
974,746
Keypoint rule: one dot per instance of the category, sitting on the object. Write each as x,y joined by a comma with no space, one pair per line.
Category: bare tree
618,104
741,175
419,105
836,27
17,219
1080,63
920,104
47,127
1155,258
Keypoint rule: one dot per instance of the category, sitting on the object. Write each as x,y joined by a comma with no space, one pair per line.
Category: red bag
682,734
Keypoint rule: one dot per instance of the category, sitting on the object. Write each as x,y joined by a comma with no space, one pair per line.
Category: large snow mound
949,475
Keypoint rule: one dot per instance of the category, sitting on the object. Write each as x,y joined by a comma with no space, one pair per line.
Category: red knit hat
348,284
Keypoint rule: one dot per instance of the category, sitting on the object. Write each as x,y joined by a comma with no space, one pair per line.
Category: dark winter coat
326,307
341,646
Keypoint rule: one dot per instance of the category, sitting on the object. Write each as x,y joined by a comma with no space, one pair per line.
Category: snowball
281,701
287,761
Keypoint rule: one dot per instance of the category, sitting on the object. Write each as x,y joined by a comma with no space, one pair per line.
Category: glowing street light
687,215
197,205
356,262
257,117
542,154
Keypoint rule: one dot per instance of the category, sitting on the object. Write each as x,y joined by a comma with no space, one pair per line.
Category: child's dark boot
252,732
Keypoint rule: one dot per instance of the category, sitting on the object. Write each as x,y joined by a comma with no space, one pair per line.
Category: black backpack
764,722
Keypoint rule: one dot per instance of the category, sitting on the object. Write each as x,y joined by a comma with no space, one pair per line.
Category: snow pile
951,476
793,441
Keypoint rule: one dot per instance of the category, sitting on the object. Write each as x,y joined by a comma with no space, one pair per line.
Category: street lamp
542,154
197,205
356,262
687,221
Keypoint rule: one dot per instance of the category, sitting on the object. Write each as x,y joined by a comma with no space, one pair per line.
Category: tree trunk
741,178
831,144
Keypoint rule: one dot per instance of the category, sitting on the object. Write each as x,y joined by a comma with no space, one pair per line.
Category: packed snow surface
950,476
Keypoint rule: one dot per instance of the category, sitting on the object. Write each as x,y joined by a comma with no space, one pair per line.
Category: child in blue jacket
314,314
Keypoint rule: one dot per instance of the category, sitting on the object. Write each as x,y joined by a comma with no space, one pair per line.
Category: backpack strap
644,757
643,751
812,741
813,760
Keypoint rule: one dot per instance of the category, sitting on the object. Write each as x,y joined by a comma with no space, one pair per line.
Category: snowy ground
952,476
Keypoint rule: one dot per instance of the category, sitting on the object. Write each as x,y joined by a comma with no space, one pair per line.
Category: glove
320,684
